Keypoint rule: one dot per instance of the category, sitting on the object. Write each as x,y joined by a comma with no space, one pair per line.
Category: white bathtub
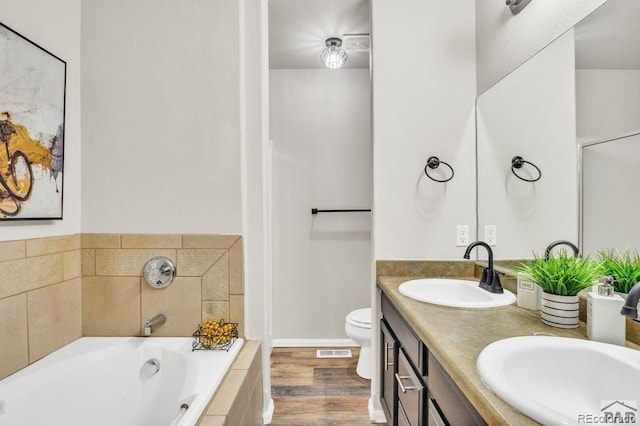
107,381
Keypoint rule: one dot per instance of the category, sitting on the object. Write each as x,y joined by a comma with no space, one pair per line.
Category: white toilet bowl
358,329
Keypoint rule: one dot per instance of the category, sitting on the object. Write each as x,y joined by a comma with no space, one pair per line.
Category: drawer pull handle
404,388
387,364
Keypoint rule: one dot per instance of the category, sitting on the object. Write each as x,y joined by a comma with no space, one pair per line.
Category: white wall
161,149
423,104
320,128
610,195
56,27
505,41
607,102
530,113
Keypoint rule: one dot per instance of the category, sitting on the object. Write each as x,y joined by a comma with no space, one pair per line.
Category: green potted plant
561,278
623,267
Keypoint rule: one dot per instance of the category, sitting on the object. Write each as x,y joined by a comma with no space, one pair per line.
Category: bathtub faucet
154,323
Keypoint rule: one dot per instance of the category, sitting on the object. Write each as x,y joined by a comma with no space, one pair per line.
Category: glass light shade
333,56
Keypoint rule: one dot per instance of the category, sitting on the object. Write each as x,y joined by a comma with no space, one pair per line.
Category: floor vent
333,353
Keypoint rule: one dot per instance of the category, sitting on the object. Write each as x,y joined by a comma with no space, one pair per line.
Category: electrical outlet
490,235
462,235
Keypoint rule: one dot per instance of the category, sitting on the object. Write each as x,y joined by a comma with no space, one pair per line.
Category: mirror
585,86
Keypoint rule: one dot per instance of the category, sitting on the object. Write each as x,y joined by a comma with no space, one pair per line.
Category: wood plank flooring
317,391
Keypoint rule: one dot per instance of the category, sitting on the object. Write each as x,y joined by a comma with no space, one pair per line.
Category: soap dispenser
604,321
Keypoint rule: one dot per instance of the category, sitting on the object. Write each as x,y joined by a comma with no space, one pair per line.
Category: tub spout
154,323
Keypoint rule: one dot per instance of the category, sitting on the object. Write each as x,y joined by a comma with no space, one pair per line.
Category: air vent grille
333,353
356,42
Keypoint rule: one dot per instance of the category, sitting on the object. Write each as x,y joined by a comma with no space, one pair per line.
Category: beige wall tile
194,263
236,311
88,262
213,421
253,411
27,274
236,412
11,250
127,262
251,350
147,241
100,241
40,246
236,268
111,306
208,241
55,317
215,311
71,264
14,350
225,397
215,282
180,303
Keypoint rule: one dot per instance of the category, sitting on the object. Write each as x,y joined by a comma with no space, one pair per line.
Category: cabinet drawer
412,345
411,391
455,407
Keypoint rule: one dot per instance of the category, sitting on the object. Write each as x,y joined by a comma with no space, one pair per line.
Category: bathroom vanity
430,351
415,388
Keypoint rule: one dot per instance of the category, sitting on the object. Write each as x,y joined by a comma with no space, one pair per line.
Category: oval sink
562,381
456,293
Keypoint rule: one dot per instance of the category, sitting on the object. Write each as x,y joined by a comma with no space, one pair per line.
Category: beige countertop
457,336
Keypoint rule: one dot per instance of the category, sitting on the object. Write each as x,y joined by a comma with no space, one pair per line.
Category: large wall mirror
572,112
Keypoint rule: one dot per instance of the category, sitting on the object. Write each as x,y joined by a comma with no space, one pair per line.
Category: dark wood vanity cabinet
415,389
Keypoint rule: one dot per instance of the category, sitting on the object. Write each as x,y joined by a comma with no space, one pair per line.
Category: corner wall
161,126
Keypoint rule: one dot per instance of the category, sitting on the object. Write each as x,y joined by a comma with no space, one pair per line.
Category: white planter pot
560,311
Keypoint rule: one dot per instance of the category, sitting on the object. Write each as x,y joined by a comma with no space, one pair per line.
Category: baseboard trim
267,416
311,343
376,415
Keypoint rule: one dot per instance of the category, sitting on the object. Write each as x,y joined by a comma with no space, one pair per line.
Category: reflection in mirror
608,123
531,114
574,89
610,197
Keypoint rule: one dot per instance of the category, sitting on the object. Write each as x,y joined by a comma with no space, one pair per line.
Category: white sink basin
456,293
554,380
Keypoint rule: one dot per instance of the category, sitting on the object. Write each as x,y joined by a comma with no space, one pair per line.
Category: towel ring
517,162
433,163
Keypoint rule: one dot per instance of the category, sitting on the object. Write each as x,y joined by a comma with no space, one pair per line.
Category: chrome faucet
547,252
490,280
154,323
630,308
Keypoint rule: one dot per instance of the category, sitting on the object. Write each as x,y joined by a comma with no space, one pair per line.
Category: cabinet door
388,356
411,392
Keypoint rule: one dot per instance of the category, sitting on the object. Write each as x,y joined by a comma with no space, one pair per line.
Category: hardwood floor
317,391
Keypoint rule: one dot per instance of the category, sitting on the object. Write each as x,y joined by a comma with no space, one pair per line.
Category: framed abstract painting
32,108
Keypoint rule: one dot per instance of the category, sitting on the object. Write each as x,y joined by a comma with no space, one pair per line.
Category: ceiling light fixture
333,56
517,5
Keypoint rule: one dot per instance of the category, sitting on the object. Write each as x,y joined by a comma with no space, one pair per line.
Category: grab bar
316,210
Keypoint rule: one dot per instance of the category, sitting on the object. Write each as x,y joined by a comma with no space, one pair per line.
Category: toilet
358,329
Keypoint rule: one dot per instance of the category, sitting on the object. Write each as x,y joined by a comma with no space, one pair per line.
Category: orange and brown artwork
32,98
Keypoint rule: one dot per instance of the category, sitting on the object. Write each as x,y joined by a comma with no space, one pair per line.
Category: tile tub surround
238,400
117,301
57,289
40,299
